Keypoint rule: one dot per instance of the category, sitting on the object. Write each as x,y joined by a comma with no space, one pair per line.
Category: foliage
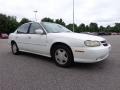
9,24
93,27
47,20
81,28
60,21
70,26
116,27
24,20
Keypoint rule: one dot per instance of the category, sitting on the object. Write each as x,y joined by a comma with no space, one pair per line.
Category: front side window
23,28
33,27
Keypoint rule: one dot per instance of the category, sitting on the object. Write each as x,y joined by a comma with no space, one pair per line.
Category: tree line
9,24
92,27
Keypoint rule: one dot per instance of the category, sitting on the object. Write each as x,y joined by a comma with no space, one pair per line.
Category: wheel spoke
57,56
65,58
14,49
63,53
61,56
62,61
59,52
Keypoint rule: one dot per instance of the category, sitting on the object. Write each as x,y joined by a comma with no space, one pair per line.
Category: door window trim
44,32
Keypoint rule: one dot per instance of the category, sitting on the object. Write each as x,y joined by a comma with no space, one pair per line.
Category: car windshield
54,28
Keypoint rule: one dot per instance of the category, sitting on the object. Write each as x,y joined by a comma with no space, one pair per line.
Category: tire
15,49
62,55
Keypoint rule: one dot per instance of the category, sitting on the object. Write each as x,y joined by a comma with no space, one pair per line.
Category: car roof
38,22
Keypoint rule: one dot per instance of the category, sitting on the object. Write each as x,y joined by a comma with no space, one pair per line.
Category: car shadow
98,65
83,66
36,57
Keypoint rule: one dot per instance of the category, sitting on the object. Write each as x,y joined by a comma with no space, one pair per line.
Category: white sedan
59,43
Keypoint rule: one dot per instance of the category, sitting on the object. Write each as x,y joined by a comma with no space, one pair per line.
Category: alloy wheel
61,56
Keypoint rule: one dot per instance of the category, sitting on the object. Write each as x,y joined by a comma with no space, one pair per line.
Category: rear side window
23,29
33,27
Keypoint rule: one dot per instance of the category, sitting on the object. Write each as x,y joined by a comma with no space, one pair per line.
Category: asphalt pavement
33,72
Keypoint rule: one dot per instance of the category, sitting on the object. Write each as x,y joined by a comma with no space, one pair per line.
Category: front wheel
62,55
15,49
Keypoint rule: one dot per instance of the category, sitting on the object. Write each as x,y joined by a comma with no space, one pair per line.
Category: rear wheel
62,55
15,49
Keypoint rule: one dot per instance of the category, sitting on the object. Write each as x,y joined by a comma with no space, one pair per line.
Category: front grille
104,43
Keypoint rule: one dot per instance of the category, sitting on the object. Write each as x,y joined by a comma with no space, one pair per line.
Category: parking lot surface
32,72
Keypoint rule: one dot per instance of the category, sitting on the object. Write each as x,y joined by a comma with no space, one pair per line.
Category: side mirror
39,31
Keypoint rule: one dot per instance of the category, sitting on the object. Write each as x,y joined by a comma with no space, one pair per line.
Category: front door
37,42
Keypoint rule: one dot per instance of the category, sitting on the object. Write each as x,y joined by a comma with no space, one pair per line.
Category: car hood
77,36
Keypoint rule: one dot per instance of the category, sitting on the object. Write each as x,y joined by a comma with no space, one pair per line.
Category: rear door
22,36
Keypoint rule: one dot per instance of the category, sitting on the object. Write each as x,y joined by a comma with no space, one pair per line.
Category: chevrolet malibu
62,45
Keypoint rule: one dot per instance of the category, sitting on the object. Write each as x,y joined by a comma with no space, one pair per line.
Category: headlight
90,43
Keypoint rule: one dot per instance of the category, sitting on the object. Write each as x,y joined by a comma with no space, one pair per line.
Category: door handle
16,37
29,37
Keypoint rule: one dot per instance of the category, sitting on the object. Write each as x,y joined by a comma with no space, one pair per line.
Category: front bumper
91,54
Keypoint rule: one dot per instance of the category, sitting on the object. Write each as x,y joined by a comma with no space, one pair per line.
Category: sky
103,12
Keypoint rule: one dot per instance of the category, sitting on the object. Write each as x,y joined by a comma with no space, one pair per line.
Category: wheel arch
60,43
12,42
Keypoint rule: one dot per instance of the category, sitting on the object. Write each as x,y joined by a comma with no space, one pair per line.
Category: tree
60,21
101,29
12,24
81,28
3,23
108,28
47,20
117,27
8,24
87,28
93,27
70,27
24,20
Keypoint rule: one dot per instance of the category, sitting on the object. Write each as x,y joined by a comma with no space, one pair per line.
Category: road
33,72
